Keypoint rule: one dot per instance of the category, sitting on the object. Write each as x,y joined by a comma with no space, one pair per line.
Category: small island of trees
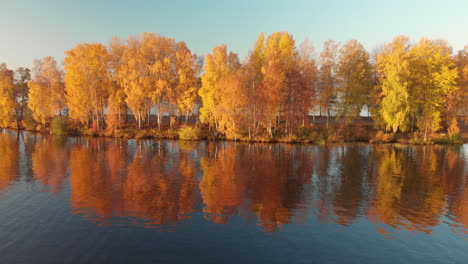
152,86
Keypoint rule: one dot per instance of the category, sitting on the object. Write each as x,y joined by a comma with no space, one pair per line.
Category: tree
327,76
393,66
218,65
116,100
278,94
461,60
129,73
354,79
255,76
433,79
231,110
165,74
8,103
306,80
148,74
46,90
87,80
23,76
188,85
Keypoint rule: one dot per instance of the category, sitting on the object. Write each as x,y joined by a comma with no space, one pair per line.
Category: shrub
189,133
418,139
260,138
88,132
382,137
306,134
358,132
125,133
453,129
388,137
447,139
144,134
169,134
288,139
59,126
321,139
335,137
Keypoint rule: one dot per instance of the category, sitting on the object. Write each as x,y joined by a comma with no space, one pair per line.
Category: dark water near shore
95,200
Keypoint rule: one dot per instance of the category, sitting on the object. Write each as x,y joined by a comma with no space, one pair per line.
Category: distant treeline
417,88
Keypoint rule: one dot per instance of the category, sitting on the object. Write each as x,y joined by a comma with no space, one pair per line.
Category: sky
33,29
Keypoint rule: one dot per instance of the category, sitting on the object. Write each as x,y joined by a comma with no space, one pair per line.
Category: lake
98,200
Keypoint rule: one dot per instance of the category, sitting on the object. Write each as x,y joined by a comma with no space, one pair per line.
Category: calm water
88,200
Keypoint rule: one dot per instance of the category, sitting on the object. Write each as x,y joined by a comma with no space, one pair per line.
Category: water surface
95,200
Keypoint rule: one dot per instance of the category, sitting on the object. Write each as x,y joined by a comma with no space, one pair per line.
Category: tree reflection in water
159,184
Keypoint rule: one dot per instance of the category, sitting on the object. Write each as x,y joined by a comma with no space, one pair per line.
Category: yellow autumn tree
433,79
87,80
116,101
232,107
46,90
393,67
253,68
354,79
8,101
148,74
188,85
129,73
278,87
164,73
462,64
219,64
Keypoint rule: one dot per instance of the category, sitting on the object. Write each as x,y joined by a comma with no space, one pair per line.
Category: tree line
407,87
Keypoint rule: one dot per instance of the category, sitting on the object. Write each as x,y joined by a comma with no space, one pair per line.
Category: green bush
418,139
189,133
455,139
59,126
321,139
305,134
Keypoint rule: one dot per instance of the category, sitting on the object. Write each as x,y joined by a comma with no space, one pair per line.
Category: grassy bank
312,134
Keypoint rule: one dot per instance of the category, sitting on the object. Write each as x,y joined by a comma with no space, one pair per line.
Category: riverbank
319,134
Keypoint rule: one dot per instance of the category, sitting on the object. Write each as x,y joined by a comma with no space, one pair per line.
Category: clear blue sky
37,28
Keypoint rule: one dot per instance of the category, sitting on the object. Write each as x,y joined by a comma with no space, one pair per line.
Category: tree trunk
139,120
425,132
120,117
149,116
18,126
328,117
159,116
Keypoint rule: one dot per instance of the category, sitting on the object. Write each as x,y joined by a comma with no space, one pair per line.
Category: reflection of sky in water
465,154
